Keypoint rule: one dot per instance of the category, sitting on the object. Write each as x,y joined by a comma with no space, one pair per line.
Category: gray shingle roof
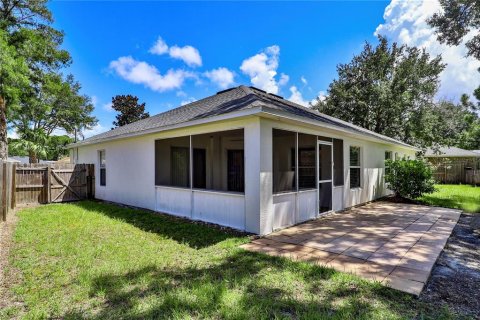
227,101
451,152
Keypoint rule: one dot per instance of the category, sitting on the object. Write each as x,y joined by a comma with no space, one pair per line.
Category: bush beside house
409,178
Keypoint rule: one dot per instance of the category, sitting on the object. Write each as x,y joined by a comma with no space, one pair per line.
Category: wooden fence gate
40,183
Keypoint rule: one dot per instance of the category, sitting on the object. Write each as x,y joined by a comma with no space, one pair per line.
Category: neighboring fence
7,189
33,184
451,172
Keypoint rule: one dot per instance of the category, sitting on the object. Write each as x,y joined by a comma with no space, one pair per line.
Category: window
199,168
172,162
211,161
235,170
284,166
388,156
103,168
337,162
218,161
307,161
355,166
397,157
179,166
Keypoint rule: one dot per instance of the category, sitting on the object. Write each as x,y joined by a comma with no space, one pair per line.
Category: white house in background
242,158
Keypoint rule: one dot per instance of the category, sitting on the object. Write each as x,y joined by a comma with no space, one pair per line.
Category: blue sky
169,53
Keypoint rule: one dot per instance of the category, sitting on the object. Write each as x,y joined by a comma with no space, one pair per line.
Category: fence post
90,180
4,191
49,185
14,186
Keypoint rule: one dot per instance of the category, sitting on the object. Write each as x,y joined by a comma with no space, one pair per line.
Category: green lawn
463,197
92,260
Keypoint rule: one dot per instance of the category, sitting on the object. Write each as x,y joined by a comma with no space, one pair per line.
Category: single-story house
454,165
469,158
242,158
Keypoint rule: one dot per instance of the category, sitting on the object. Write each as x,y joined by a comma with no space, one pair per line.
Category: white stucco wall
131,176
283,209
130,167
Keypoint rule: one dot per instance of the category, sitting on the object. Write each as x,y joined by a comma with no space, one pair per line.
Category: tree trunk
3,129
32,157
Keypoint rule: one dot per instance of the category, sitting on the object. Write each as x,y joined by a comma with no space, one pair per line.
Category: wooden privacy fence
33,184
456,172
7,188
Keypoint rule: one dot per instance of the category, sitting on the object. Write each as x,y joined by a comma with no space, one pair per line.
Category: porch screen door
325,174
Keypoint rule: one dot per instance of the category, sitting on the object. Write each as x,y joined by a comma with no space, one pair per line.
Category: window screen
338,162
307,161
218,161
180,166
172,162
283,142
355,166
235,170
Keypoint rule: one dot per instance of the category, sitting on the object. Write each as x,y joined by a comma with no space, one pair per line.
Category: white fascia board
280,115
228,116
452,156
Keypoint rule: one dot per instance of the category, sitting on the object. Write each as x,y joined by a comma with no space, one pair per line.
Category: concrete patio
396,244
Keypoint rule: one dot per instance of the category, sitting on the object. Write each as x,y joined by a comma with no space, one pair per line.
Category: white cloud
107,107
94,101
12,134
304,80
97,129
262,69
222,77
189,100
143,73
297,97
283,79
181,93
188,54
405,22
160,47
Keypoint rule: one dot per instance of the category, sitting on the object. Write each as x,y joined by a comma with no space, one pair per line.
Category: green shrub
409,178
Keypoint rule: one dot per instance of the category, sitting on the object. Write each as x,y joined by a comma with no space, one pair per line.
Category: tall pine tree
129,110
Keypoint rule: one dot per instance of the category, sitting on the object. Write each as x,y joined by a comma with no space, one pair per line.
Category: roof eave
281,114
228,116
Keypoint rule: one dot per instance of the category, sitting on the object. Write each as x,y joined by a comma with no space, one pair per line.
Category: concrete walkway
396,244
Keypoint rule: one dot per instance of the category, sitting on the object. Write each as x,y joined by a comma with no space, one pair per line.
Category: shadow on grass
194,234
239,287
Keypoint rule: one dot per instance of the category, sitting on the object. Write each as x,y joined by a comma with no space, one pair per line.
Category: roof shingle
227,101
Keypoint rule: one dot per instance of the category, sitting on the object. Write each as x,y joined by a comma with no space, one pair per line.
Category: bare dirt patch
455,279
7,274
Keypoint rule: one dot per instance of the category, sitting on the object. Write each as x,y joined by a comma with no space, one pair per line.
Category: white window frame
355,167
390,155
102,166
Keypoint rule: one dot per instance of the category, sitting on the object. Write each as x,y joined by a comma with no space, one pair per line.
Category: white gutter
228,116
368,135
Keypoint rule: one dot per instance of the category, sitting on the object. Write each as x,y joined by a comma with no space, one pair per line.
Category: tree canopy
129,110
35,98
456,20
386,89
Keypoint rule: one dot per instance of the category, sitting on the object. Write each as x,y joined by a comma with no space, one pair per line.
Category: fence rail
33,184
454,173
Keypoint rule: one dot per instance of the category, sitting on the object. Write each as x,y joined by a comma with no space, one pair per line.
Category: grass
464,197
92,260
